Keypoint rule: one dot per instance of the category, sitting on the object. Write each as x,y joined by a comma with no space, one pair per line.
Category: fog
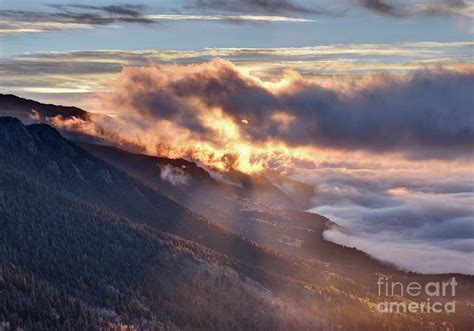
414,220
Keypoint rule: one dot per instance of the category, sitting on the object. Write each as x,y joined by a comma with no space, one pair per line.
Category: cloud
426,114
229,18
256,6
174,175
421,258
100,15
224,115
79,16
71,16
448,7
393,8
429,8
131,10
381,6
415,219
86,71
12,27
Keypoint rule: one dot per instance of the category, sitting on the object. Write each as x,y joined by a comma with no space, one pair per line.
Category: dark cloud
381,7
447,7
393,8
456,3
272,7
425,115
81,14
103,14
396,8
125,10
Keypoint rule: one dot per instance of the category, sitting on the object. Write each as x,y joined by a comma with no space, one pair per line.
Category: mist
412,219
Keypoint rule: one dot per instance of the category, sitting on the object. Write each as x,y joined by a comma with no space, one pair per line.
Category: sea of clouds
415,221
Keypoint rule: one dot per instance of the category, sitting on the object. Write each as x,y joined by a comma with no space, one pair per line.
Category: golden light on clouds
225,117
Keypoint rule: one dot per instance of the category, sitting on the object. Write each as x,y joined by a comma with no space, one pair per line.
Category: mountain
176,174
75,254
250,205
87,245
29,109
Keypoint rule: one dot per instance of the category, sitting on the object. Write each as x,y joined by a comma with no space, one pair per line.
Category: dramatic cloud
394,8
79,16
72,16
431,8
225,117
420,220
121,10
427,114
256,6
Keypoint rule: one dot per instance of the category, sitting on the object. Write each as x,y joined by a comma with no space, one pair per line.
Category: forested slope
83,246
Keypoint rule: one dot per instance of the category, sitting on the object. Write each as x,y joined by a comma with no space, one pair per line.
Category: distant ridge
12,105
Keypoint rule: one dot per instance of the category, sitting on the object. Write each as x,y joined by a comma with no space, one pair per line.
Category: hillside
85,245
250,205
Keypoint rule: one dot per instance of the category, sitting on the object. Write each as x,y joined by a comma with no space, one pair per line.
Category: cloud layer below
417,220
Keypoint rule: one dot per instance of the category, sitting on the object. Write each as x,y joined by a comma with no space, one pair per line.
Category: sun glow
227,118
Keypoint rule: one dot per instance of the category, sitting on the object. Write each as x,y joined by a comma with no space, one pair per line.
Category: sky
391,35
368,100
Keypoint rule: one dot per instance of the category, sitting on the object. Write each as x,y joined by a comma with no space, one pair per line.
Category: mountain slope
248,208
84,245
41,153
108,268
79,266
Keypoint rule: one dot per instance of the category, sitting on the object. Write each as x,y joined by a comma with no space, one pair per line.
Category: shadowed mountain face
250,205
87,243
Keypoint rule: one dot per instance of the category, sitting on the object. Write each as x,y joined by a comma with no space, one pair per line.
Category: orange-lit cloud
226,117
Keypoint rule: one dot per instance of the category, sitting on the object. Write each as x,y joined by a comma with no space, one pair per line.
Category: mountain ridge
11,104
